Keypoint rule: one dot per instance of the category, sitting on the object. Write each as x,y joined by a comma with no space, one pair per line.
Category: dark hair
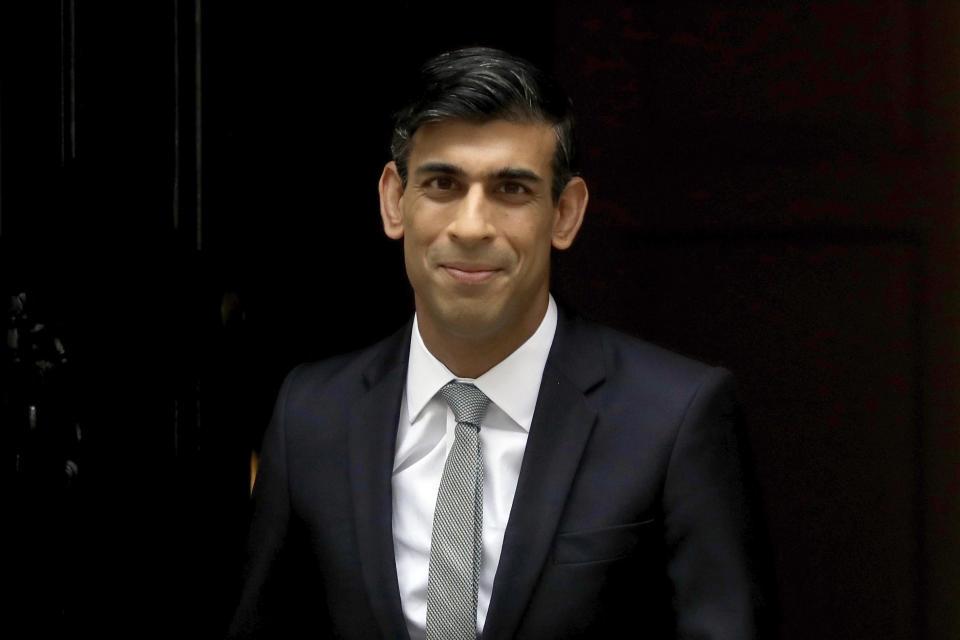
482,84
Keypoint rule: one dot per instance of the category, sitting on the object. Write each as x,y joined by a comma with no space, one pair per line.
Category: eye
513,189
443,183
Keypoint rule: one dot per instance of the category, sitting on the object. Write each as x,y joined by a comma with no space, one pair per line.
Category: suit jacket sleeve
713,533
276,597
269,523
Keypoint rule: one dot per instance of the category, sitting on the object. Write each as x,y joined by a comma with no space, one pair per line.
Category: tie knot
469,404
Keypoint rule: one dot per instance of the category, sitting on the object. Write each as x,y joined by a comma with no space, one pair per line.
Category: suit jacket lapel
562,424
372,439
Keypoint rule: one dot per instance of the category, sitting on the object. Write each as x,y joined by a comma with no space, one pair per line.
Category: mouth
469,273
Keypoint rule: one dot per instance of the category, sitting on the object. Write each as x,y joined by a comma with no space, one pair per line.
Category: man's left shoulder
627,364
628,359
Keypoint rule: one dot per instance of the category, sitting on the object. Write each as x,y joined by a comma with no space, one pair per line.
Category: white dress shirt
424,437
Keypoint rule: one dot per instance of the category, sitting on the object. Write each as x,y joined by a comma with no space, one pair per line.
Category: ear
570,208
391,195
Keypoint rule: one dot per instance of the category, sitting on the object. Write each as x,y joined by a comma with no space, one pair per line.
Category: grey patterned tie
455,548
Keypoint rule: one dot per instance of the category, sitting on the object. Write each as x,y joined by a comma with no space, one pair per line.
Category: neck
471,355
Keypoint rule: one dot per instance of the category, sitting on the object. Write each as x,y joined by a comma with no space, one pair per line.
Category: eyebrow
509,173
440,167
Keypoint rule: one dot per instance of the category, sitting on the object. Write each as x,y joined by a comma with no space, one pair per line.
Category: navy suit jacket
635,511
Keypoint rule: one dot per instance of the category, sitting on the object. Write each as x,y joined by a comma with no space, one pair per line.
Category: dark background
188,199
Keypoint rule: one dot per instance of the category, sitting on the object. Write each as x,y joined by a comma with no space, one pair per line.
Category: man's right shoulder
349,372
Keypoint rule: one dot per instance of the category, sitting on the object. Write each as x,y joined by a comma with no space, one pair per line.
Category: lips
469,273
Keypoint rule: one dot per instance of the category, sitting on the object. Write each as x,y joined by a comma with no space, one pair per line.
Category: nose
471,217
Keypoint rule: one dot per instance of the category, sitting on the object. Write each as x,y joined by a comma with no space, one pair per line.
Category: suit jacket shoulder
613,368
341,373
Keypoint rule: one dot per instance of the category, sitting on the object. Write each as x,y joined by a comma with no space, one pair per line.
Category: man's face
478,222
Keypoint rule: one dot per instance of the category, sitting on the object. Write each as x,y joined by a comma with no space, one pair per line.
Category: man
594,485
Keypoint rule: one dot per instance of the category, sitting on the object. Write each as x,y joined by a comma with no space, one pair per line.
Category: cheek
412,256
421,228
532,241
413,232
416,255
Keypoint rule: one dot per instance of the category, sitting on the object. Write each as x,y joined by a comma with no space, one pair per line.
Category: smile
469,274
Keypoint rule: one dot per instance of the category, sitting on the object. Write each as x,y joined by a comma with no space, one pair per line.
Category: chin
474,318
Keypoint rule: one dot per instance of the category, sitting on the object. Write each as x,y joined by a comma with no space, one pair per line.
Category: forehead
485,146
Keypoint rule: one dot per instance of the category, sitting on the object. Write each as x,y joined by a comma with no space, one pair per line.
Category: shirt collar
513,384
